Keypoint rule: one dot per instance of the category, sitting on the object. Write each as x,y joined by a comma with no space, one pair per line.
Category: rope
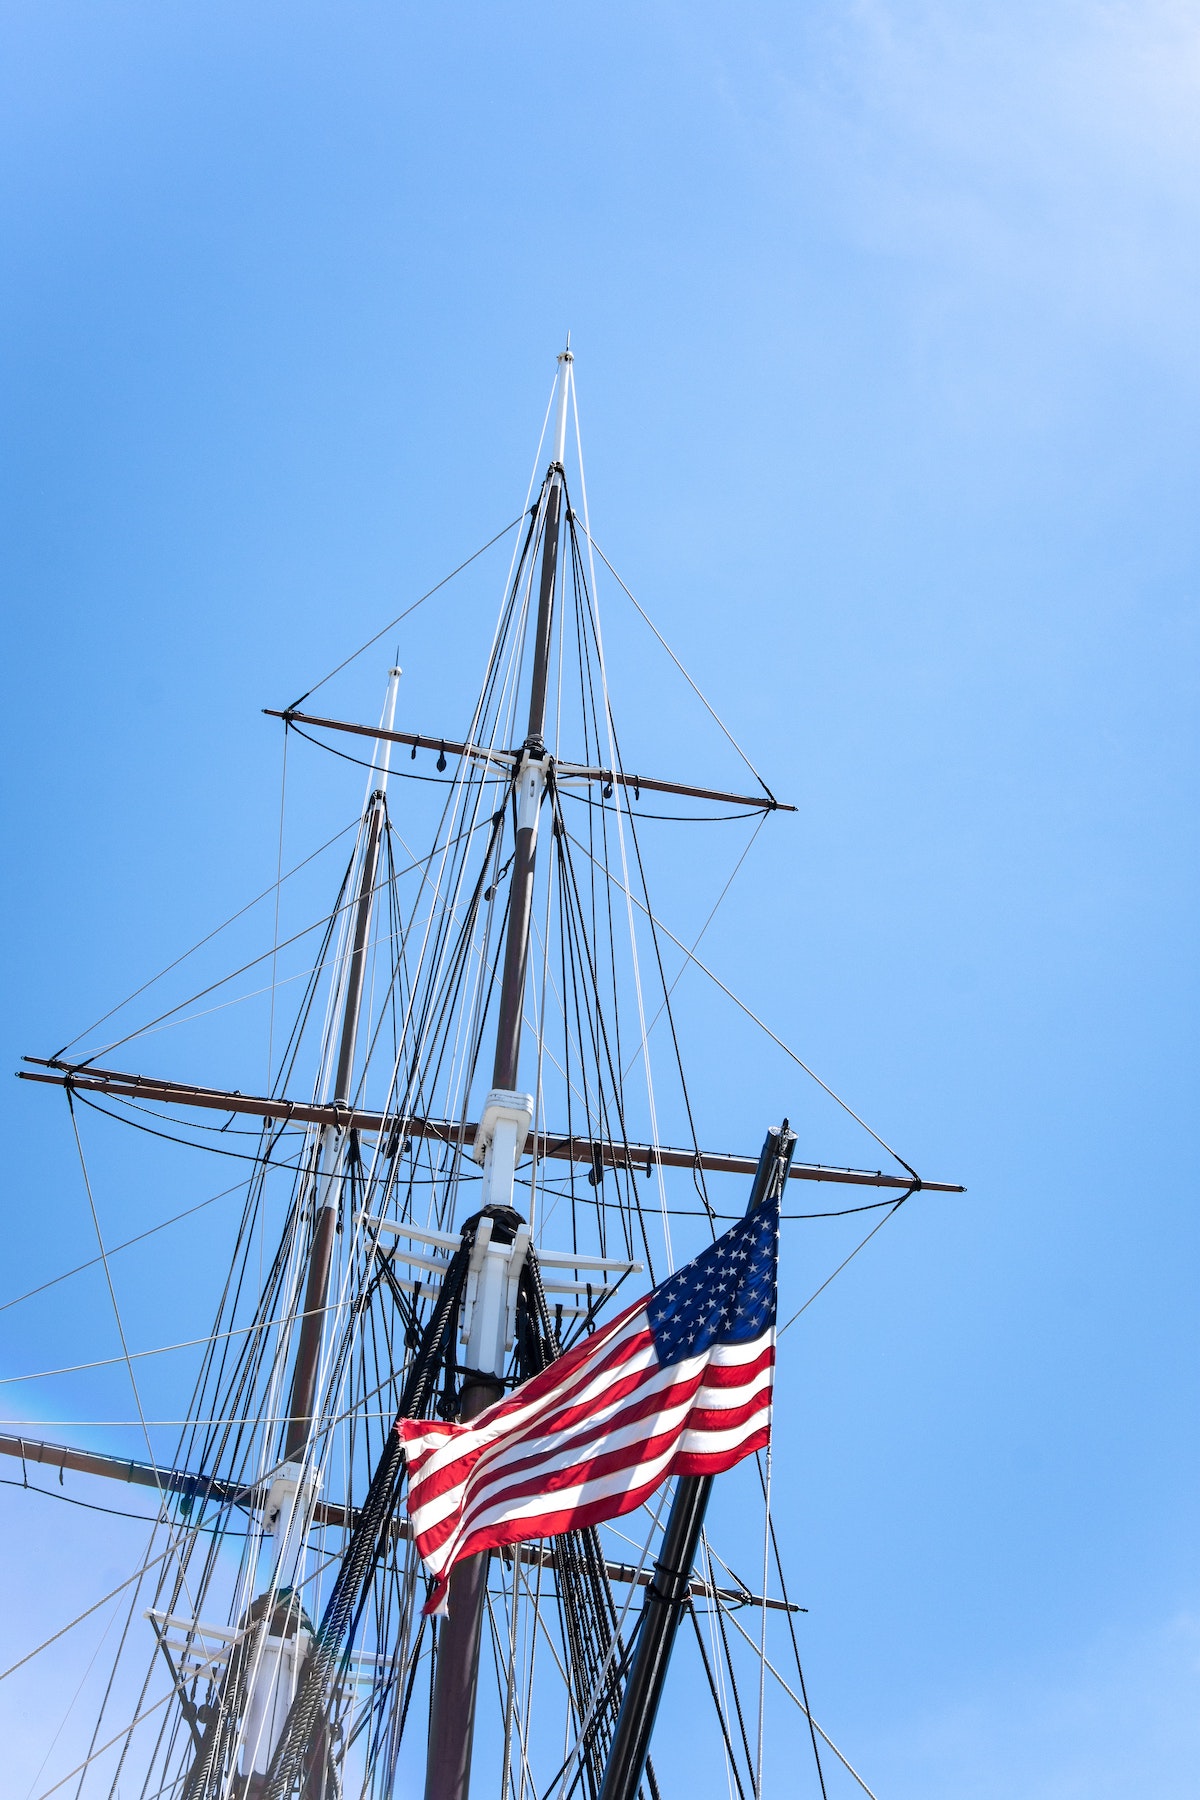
428,595
619,810
112,1292
114,1249
755,1020
766,1570
708,707
793,1696
199,945
125,1732
365,1542
275,927
86,1614
894,1208
762,819
791,1623
106,1362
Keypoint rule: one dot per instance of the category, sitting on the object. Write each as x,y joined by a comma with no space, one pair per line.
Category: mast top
565,359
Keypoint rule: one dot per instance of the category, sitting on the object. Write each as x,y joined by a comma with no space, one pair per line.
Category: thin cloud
1050,155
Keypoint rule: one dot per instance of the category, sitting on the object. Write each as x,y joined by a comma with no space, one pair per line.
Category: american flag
677,1384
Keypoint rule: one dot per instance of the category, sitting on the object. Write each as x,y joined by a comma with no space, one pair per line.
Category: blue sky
888,368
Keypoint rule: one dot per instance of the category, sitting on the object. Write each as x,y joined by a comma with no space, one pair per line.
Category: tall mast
505,1123
273,1668
531,774
332,1153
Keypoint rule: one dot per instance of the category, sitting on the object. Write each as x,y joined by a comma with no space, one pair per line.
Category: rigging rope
755,1020
199,944
709,708
114,1249
112,1292
392,623
893,1208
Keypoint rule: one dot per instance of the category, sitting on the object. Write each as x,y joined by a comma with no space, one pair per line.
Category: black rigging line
716,1700
114,1512
602,1050
695,689
753,812
812,1730
401,773
737,1699
200,943
392,623
84,1099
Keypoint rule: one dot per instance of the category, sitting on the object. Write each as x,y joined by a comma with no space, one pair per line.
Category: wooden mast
452,1708
327,1199
332,1158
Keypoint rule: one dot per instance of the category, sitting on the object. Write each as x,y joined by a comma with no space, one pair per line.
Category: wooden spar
324,1512
508,759
546,1145
167,1481
419,741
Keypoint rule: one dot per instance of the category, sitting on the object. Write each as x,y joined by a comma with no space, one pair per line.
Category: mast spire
565,359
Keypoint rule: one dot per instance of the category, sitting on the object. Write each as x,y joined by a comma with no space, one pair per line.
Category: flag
678,1384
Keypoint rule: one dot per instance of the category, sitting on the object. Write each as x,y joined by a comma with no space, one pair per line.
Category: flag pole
669,1592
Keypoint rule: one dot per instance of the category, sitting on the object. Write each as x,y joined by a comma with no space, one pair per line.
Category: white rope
697,939
125,1732
74,1701
86,1614
114,1249
619,807
708,707
718,1665
200,943
752,1016
112,1292
510,1697
792,1695
106,1362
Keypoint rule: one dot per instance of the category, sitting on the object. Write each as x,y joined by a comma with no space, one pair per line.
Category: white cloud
1051,153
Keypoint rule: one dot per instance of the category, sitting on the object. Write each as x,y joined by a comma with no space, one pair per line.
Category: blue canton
726,1295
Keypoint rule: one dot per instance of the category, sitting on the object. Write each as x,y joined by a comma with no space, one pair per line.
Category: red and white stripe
588,1439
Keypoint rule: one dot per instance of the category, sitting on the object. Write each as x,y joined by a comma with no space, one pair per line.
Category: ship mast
332,1155
271,1706
273,1671
507,1117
